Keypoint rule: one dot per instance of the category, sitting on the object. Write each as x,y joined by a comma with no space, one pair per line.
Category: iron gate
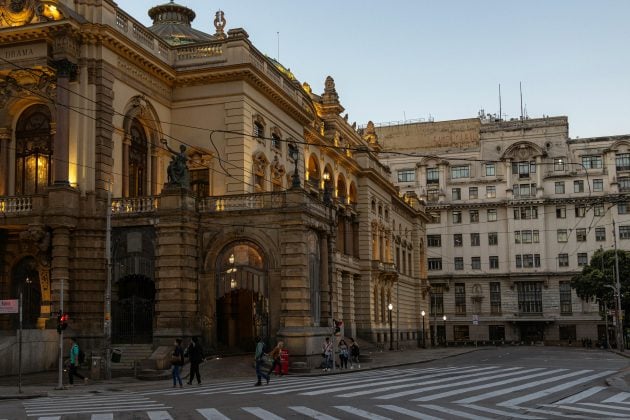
133,320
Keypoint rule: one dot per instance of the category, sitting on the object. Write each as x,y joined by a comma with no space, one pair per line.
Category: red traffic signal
62,322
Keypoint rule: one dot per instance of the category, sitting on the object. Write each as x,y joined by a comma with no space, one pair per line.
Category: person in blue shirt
260,353
74,363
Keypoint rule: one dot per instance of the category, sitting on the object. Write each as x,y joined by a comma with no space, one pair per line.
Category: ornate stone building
240,202
517,209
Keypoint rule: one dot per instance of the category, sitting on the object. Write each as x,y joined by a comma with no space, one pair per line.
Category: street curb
23,396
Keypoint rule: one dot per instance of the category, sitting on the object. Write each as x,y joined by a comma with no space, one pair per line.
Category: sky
410,59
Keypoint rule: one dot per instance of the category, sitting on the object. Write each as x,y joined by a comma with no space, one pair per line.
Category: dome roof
171,22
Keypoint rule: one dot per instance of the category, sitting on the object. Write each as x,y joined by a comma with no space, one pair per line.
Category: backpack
81,357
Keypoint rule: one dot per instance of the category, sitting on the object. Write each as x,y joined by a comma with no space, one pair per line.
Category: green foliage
591,282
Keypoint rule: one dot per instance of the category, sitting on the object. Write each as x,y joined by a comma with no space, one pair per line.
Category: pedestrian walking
344,354
76,358
327,353
354,354
177,361
259,357
194,351
275,356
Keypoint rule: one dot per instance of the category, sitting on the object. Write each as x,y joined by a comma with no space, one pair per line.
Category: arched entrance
242,296
26,278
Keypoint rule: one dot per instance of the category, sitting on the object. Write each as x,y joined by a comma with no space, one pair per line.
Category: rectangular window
493,238
624,232
578,186
460,333
561,212
598,209
567,332
592,162
436,217
490,169
457,217
458,240
496,332
559,187
474,216
562,235
624,183
434,264
528,261
529,297
433,176
623,208
492,215
517,236
519,261
434,241
600,234
563,260
475,263
582,258
457,193
493,261
525,190
491,191
459,263
558,164
523,169
580,211
433,194
460,172
437,299
406,175
525,213
580,235
473,193
598,185
460,299
495,298
474,239
565,298
622,162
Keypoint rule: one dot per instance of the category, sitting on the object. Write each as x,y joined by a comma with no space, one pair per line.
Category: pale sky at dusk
415,58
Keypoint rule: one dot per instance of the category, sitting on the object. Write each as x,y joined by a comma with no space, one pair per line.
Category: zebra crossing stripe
452,412
159,415
586,410
617,398
580,396
410,413
504,391
309,412
422,383
261,414
549,412
453,384
606,406
549,391
360,413
106,416
508,414
211,414
49,418
95,410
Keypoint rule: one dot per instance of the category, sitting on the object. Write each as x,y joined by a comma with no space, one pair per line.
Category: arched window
33,151
138,152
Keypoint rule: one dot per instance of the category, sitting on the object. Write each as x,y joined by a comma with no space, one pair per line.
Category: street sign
9,306
475,319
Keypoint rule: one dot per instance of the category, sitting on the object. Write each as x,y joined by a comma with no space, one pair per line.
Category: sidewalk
44,384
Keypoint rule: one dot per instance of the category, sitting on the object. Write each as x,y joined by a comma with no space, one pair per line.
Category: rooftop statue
177,171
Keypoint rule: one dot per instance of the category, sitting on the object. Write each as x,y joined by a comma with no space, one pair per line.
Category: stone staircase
131,353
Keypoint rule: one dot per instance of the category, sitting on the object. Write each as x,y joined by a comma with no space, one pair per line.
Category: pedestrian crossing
451,392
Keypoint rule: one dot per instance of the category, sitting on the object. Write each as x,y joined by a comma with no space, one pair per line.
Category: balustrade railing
242,202
134,205
14,205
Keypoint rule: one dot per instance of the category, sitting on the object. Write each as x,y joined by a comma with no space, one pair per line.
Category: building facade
164,182
517,209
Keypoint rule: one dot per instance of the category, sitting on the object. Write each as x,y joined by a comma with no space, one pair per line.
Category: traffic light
62,322
338,325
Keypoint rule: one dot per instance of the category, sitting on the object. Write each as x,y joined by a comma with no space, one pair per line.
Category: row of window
435,241
520,261
529,298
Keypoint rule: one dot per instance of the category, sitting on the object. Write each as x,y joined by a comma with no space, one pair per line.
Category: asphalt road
497,383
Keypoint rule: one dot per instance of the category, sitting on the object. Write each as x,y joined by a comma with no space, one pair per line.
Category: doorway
532,332
25,278
132,311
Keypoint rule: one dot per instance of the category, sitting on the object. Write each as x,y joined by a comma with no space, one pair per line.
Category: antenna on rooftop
520,87
278,55
500,111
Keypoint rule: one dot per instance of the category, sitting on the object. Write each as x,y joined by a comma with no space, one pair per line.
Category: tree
591,283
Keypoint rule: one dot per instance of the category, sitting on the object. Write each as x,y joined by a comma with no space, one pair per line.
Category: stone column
508,177
347,286
154,170
5,142
539,177
65,71
125,165
349,236
60,266
324,275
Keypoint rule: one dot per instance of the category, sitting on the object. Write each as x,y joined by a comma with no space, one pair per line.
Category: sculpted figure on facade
177,169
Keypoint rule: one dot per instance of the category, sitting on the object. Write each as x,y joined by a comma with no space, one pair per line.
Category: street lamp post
391,336
620,344
444,318
423,342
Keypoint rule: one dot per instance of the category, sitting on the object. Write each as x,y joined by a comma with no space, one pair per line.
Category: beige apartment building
165,181
517,208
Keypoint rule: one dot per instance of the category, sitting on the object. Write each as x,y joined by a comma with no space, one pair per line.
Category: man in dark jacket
195,355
